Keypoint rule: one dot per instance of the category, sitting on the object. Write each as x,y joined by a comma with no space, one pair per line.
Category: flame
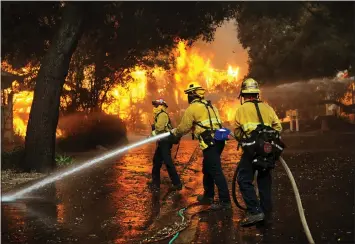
189,65
22,102
227,108
128,98
122,97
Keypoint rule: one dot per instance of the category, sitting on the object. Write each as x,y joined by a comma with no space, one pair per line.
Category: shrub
63,160
13,159
85,132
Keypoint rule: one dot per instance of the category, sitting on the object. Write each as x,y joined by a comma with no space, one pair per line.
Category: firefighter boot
251,219
221,206
204,200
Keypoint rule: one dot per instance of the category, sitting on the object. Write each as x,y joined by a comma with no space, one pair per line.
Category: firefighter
162,153
203,119
246,121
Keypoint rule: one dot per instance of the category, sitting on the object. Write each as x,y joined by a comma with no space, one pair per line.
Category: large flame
189,65
22,102
129,98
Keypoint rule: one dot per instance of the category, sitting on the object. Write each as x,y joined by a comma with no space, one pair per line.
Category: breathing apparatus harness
220,134
264,145
173,140
169,122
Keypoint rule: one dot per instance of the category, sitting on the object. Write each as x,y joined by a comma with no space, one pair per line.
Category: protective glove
173,138
152,134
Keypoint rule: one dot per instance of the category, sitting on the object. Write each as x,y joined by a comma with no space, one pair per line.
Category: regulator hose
297,196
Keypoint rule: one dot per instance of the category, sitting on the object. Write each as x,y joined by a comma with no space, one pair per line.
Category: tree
114,35
43,120
298,40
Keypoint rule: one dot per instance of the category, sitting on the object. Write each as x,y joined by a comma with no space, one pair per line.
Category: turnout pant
213,174
245,177
163,154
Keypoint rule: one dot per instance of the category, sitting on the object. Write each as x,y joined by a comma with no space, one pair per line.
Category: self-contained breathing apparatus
220,134
263,144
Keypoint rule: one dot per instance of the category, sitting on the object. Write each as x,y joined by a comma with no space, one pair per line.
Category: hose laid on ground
185,223
182,221
297,196
298,201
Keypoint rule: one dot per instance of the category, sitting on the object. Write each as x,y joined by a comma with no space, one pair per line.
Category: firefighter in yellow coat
247,120
163,151
203,118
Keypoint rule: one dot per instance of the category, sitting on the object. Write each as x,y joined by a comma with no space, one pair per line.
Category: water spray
96,160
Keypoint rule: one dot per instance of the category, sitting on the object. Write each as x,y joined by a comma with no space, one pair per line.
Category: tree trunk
43,119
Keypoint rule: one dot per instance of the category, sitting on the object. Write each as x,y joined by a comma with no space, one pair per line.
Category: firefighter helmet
159,102
193,86
249,86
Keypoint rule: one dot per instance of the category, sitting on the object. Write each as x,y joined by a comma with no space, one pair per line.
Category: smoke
226,49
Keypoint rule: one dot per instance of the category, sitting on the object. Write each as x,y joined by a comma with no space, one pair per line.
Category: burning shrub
85,132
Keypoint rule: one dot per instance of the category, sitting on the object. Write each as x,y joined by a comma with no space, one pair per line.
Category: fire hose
297,196
170,232
295,191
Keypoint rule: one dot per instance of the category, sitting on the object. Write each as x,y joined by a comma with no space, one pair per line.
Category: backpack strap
219,123
209,115
258,112
162,111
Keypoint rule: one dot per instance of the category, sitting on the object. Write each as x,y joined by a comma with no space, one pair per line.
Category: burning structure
131,91
130,95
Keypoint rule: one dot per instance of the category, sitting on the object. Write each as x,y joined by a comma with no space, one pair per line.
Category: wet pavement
111,203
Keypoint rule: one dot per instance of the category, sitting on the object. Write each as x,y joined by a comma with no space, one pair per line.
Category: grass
63,160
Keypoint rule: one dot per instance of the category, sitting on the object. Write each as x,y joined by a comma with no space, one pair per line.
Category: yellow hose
298,201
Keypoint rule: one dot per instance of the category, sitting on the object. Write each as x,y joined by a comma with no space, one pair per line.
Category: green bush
63,160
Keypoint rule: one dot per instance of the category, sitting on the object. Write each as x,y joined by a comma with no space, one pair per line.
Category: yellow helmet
249,86
194,86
